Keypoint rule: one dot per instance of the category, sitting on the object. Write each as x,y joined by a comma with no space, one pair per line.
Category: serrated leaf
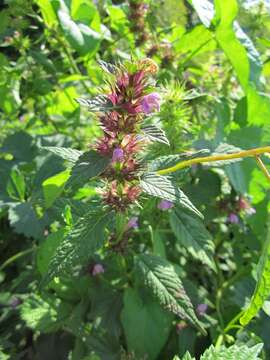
162,187
107,67
232,353
97,103
187,356
24,220
139,316
87,236
160,277
192,234
154,133
224,148
167,161
44,314
69,154
262,290
47,249
89,165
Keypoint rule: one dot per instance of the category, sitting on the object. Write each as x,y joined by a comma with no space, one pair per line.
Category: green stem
16,257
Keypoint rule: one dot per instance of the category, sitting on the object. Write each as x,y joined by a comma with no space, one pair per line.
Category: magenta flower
150,103
201,309
133,223
233,218
165,205
97,269
118,155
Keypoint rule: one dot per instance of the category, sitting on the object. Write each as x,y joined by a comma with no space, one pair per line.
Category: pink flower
165,205
150,103
201,309
118,155
97,269
233,218
133,223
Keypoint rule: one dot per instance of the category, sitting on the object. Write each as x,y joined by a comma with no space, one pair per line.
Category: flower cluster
129,99
137,14
236,207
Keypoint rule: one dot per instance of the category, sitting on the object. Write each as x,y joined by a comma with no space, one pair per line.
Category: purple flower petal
150,103
165,205
97,269
233,218
201,309
118,155
133,223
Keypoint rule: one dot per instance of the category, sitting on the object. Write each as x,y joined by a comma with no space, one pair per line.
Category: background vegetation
214,68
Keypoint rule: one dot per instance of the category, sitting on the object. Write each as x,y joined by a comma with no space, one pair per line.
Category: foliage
129,226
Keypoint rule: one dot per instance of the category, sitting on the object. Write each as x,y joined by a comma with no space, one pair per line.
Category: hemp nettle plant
124,175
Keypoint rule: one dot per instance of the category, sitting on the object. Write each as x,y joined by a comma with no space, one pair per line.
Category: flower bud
118,155
165,205
233,218
133,223
97,269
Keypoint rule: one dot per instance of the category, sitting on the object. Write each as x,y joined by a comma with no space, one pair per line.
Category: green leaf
262,290
25,152
232,353
224,148
47,12
24,220
47,249
139,317
187,356
71,155
81,37
16,186
196,41
154,133
44,314
87,236
89,165
192,234
53,187
160,277
167,161
162,187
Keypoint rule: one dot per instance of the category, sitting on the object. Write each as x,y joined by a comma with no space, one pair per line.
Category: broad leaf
225,149
160,277
154,133
53,187
140,315
87,236
71,155
44,315
192,234
89,165
16,186
24,220
262,290
162,187
232,353
81,37
47,249
168,161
